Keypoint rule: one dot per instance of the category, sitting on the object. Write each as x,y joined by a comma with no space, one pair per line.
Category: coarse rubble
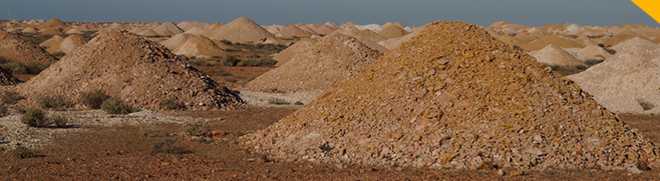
454,97
131,68
18,48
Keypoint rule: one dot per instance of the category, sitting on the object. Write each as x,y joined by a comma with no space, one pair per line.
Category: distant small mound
594,51
553,55
52,41
169,26
324,29
289,31
15,47
187,25
557,40
68,44
637,41
371,35
243,30
200,46
148,32
328,62
176,40
392,32
209,31
130,68
54,22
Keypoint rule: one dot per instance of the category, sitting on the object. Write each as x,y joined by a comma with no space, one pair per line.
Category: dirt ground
124,153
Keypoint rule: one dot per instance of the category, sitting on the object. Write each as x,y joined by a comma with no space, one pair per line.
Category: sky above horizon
266,12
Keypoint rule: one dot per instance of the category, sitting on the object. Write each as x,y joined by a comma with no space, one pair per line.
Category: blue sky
410,12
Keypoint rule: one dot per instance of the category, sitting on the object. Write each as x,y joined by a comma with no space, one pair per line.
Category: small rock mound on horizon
131,68
454,97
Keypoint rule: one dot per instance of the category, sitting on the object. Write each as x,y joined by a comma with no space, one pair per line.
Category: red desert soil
123,153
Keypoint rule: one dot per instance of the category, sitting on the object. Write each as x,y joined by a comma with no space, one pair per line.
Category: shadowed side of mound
454,97
131,68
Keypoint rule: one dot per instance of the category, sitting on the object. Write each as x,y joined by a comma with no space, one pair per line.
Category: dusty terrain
123,153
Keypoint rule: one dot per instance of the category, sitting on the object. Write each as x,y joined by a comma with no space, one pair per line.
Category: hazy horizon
410,13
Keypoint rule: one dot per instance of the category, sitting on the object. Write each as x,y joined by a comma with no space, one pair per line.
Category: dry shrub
10,97
231,79
54,101
59,120
277,101
645,104
258,62
4,111
117,106
195,128
171,104
94,99
22,152
35,118
166,145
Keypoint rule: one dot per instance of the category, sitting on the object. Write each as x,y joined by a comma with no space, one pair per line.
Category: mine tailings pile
131,68
454,97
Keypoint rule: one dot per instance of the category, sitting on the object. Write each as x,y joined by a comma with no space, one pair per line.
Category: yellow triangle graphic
651,7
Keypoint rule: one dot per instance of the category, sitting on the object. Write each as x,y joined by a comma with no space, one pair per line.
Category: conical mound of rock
203,47
327,63
392,32
455,97
626,83
634,42
17,48
244,30
68,44
131,68
176,40
555,56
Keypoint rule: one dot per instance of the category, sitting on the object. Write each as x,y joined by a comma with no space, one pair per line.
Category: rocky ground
119,147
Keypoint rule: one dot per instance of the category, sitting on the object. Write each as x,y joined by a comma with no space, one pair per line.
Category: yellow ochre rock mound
454,97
